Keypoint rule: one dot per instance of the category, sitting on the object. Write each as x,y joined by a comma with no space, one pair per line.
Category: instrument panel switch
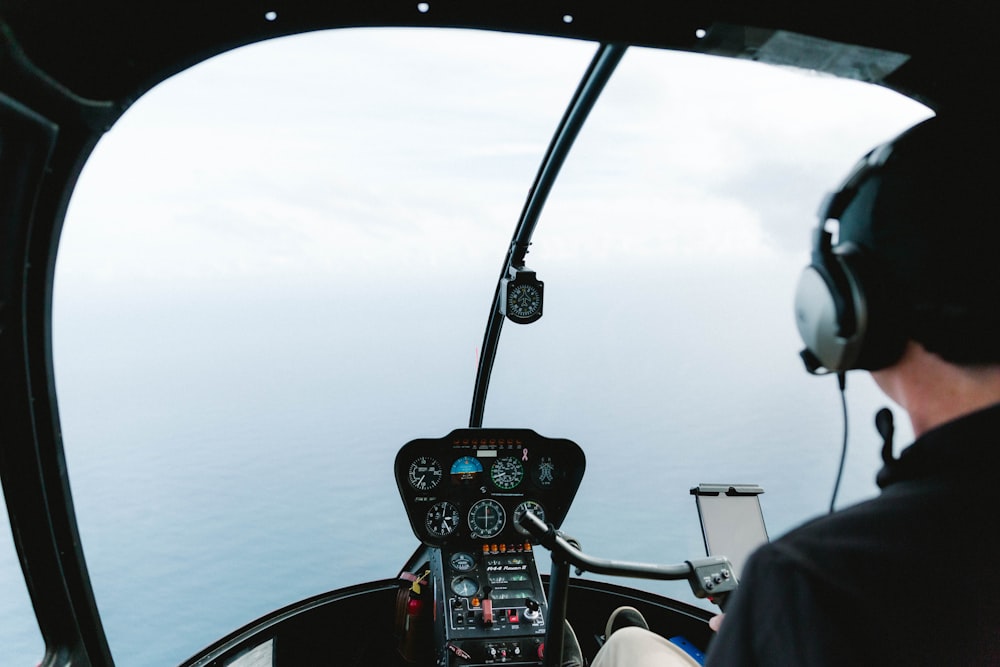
487,612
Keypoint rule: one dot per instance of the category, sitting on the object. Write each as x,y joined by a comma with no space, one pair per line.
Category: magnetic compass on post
522,296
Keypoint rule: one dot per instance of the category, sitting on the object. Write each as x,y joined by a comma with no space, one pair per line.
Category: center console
463,495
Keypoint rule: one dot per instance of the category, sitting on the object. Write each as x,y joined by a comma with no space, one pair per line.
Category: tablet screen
731,521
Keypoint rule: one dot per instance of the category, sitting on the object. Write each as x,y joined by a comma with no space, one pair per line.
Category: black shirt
911,577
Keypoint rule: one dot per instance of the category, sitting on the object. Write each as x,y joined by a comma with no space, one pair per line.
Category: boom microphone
884,424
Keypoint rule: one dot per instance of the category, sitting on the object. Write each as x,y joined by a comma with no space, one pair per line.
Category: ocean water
221,472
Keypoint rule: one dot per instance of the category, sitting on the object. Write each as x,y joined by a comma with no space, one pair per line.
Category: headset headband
834,310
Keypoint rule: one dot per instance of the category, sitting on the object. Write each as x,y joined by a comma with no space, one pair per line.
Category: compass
522,297
523,301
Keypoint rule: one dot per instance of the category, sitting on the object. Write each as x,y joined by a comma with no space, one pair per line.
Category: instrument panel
471,486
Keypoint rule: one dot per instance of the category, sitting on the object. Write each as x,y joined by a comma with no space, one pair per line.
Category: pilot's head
908,248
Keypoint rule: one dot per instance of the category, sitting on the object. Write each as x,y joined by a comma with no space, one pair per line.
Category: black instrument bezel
487,445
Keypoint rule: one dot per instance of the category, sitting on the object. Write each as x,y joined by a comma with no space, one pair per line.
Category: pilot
904,283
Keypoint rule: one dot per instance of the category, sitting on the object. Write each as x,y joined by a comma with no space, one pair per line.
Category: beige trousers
636,647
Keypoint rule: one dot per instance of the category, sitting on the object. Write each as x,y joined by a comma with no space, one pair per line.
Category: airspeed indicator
507,472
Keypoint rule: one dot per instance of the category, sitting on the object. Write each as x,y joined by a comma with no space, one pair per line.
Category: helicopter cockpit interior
484,504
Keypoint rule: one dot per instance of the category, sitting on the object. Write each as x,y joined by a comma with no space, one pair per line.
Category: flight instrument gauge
442,519
522,297
466,469
545,473
425,473
465,586
507,472
523,301
486,518
520,510
462,561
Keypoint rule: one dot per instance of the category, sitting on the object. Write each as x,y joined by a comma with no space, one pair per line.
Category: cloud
330,153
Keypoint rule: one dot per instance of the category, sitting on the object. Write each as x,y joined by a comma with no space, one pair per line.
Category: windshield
277,268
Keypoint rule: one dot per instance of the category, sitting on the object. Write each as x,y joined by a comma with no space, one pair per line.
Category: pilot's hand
716,621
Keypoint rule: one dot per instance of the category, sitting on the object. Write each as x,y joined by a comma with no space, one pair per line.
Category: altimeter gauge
486,518
442,519
520,510
425,473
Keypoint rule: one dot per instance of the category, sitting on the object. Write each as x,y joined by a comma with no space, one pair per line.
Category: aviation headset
842,308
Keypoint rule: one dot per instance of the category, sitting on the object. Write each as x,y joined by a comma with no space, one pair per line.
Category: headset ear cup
826,315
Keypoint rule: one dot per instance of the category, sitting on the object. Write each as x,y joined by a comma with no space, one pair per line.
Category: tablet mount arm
710,578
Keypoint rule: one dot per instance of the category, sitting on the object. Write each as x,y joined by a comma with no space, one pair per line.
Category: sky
291,249
748,160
